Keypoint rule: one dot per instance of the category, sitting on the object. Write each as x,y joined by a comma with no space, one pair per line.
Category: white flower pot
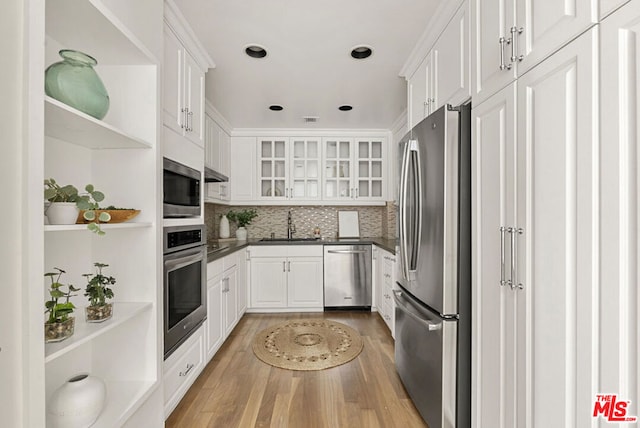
77,403
62,213
241,234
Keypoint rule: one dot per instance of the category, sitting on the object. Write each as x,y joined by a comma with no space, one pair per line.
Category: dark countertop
230,246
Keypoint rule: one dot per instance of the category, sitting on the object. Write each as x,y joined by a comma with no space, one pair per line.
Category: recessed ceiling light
276,107
361,52
345,108
255,51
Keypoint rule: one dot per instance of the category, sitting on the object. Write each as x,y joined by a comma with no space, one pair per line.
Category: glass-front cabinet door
369,169
338,166
304,176
273,153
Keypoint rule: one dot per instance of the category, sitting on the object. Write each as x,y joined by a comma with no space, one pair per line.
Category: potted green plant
242,218
98,291
66,202
60,324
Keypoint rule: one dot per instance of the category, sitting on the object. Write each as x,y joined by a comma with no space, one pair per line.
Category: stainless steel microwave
181,190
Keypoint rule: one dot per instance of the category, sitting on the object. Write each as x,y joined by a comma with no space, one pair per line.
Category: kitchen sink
288,239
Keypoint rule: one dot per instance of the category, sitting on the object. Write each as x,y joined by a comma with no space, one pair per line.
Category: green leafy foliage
59,311
242,218
97,289
88,201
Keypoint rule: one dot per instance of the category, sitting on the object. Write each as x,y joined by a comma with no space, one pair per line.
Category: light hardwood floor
238,390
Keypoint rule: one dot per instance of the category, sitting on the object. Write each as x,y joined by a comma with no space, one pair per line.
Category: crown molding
174,18
438,22
217,117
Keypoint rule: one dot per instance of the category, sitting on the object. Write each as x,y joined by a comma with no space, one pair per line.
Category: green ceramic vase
74,82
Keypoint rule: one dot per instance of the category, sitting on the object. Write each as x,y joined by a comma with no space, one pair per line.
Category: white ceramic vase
224,227
62,213
77,403
241,234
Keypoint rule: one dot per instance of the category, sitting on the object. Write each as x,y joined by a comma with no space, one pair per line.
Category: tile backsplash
377,221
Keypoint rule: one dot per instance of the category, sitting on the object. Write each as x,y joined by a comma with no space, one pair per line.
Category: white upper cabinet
183,103
242,169
369,169
304,175
422,90
353,169
217,156
452,77
513,36
273,165
289,168
443,75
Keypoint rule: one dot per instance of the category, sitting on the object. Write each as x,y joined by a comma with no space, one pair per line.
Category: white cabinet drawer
269,251
231,260
181,370
214,268
286,251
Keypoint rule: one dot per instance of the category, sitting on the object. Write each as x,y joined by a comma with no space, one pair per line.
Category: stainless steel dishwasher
347,276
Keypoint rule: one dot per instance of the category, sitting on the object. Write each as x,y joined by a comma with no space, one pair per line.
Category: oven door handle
183,258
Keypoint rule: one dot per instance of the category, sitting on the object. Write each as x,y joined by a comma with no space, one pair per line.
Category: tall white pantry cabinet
555,218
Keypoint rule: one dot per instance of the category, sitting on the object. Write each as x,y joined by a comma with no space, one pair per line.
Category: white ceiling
308,69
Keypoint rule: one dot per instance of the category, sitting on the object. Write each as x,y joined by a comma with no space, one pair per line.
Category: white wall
10,260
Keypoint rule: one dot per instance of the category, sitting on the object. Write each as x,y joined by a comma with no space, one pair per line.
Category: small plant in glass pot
98,292
242,218
66,202
60,324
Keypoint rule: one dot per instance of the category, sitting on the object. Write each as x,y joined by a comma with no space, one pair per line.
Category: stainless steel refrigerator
433,298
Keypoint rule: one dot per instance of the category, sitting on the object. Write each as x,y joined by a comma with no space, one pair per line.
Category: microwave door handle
404,262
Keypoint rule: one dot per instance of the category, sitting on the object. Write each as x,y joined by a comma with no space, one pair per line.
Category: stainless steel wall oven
185,283
181,190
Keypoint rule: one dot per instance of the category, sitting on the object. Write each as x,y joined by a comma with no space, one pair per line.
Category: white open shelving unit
121,157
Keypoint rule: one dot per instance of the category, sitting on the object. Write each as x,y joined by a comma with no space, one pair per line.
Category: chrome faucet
291,228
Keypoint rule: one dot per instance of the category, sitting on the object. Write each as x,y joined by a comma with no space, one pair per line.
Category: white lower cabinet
535,214
287,277
181,369
225,284
213,324
385,284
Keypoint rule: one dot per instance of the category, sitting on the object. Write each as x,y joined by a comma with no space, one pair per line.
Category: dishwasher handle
397,296
346,251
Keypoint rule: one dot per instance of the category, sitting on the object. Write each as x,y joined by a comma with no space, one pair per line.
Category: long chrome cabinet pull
515,31
514,258
284,264
288,266
183,122
503,231
502,42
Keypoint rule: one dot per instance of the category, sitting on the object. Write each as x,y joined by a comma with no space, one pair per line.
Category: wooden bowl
117,216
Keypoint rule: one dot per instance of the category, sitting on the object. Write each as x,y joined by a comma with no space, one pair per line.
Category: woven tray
117,216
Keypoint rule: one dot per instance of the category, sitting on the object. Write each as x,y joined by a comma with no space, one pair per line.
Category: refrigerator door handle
397,296
403,212
418,217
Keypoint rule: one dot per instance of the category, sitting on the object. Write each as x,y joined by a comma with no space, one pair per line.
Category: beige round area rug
307,344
